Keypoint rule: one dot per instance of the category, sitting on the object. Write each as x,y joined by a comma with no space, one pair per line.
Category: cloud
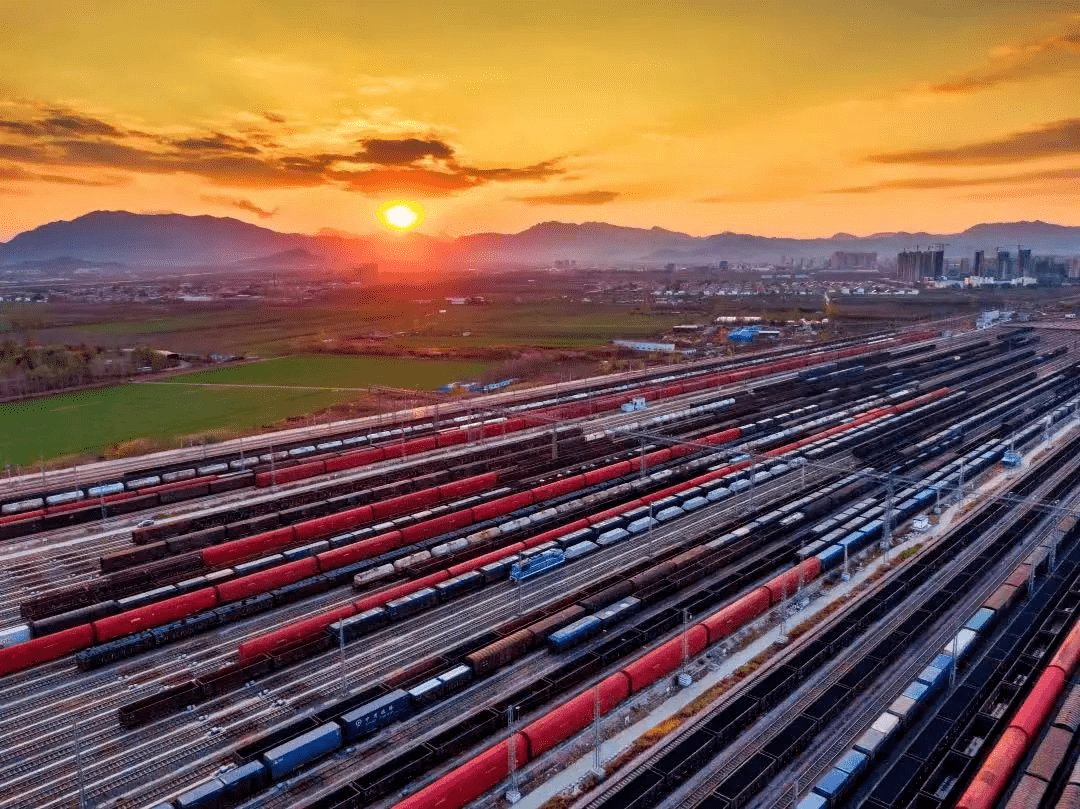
217,142
61,123
20,174
400,152
1055,139
537,171
572,198
247,155
273,118
1010,64
68,123
924,183
242,204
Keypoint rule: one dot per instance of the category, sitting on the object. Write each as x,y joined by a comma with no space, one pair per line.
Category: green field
341,372
88,422
276,329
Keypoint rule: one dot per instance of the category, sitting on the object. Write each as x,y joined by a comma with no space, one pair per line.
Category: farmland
339,372
89,423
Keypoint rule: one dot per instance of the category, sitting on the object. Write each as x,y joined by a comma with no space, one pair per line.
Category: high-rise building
1023,263
1004,265
848,260
977,269
913,265
965,267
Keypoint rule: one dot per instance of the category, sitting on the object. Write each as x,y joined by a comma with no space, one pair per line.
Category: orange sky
786,117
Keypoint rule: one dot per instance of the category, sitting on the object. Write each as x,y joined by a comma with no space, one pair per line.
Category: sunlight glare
401,215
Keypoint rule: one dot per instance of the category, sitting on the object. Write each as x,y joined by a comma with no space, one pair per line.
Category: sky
776,117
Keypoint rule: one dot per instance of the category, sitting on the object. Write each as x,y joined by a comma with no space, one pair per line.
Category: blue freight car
535,565
290,756
411,604
376,714
247,779
206,795
575,633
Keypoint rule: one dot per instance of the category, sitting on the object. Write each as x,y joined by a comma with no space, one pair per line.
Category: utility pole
952,668
514,794
652,538
685,639
782,637
886,531
78,764
597,740
753,474
341,652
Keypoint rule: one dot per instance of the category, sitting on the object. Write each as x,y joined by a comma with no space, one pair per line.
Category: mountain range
176,240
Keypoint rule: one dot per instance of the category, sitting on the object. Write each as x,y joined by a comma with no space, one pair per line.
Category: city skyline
795,119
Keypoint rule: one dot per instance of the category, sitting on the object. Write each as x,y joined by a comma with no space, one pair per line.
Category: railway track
784,792
93,697
118,757
748,745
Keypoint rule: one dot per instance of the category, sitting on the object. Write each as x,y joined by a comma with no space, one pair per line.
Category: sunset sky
779,117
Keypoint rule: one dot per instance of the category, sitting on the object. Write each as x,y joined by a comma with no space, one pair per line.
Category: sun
400,215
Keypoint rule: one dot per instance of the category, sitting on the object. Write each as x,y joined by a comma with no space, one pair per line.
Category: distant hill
596,241
297,258
67,264
175,240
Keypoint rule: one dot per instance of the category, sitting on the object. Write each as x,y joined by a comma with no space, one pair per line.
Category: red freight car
665,659
292,634
470,781
266,580
358,551
163,612
572,716
737,614
42,650
237,550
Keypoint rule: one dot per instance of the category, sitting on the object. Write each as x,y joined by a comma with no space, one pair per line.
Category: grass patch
907,553
113,421
327,371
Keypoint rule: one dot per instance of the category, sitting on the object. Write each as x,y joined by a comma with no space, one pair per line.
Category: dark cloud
924,183
312,164
386,152
273,118
67,123
1050,140
39,136
537,171
217,142
105,153
28,154
572,198
412,181
19,173
242,204
24,128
